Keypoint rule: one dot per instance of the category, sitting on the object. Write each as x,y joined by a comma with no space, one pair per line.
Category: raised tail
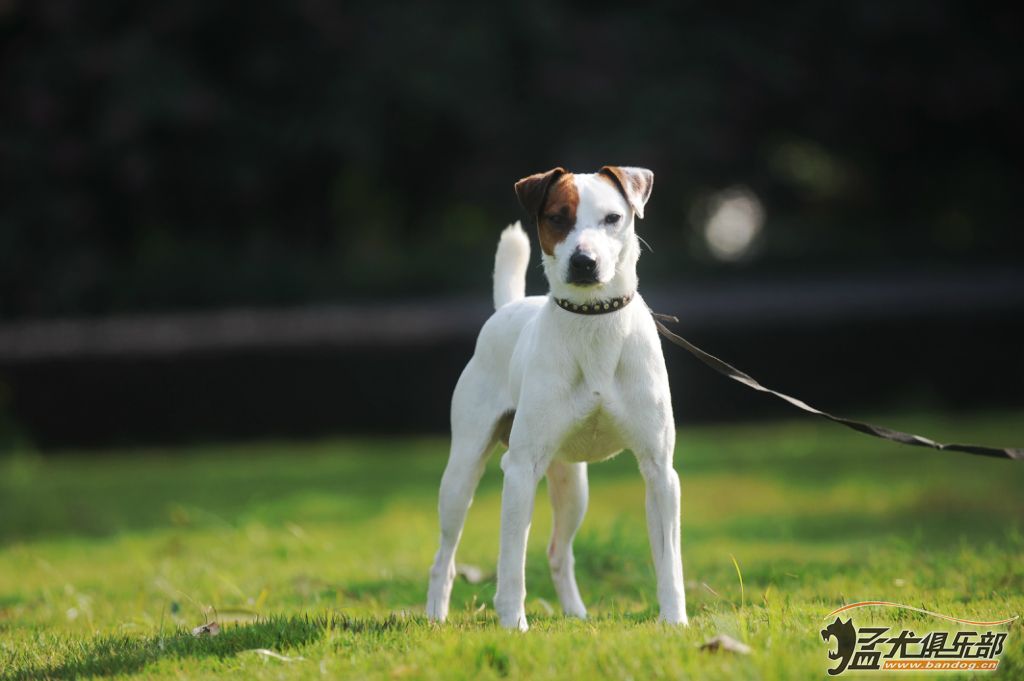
510,264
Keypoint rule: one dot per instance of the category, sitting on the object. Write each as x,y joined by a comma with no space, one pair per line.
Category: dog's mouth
582,280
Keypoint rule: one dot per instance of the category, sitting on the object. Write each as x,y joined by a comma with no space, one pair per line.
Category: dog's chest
596,390
594,437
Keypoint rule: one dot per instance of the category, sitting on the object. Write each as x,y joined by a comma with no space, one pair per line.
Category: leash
881,432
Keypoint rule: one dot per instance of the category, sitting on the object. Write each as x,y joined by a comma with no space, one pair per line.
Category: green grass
320,552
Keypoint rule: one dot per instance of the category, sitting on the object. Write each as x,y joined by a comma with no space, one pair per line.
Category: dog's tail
510,264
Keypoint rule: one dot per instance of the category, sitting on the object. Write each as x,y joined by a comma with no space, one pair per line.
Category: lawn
317,555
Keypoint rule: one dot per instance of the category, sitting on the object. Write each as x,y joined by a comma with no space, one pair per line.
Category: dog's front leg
523,468
662,499
531,445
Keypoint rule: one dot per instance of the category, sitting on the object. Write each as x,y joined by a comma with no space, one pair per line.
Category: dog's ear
532,190
634,183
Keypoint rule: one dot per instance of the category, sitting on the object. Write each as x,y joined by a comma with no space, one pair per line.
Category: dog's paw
576,610
514,621
436,611
677,620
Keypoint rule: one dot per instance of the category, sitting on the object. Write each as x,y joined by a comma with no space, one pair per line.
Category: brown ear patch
550,199
533,190
635,184
557,216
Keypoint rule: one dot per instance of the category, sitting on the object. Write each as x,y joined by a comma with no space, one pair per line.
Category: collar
596,307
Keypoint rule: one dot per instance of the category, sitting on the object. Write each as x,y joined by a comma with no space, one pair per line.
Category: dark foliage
199,154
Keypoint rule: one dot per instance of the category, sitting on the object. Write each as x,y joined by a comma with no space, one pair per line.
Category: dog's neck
622,285
606,306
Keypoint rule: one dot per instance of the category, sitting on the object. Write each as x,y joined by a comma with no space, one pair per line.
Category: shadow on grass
217,486
920,524
116,655
615,562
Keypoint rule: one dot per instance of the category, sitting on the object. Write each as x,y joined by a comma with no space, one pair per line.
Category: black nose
581,263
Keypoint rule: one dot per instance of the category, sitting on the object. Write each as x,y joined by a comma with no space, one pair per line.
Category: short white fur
562,390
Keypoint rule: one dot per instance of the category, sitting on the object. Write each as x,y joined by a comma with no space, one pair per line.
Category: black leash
735,374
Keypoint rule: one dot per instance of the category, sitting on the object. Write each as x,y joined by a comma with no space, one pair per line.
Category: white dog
565,379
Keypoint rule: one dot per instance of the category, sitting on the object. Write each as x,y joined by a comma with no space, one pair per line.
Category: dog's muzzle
582,269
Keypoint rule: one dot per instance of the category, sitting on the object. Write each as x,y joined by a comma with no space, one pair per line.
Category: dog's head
585,226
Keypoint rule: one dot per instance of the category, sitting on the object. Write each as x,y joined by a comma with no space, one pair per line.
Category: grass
314,557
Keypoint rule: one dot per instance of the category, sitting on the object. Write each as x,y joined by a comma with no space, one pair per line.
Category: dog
563,380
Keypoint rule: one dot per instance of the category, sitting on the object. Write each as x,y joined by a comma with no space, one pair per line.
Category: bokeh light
735,220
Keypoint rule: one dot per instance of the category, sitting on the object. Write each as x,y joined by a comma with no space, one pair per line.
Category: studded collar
595,307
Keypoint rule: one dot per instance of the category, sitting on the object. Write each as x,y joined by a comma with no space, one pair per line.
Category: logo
866,648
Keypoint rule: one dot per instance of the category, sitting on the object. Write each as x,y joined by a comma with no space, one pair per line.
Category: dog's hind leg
567,487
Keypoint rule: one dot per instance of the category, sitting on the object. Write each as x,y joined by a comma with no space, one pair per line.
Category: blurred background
279,220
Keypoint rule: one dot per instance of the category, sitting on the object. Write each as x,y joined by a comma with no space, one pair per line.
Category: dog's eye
556,219
612,219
